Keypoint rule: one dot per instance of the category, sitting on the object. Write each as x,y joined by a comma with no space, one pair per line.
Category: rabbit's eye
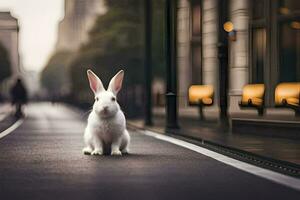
97,98
113,99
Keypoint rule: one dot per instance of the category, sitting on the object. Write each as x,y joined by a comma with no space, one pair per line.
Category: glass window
289,44
196,64
287,7
259,42
258,9
258,54
196,41
196,20
275,42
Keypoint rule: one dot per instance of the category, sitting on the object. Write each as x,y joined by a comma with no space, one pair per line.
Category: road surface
42,160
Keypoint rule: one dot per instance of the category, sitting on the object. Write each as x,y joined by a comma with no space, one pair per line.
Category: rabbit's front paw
97,152
125,151
116,152
87,151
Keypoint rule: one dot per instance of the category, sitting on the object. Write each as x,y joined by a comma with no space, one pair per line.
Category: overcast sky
38,21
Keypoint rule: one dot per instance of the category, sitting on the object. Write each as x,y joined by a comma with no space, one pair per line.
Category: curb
280,166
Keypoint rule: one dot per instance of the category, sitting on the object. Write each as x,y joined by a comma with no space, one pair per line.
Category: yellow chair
201,95
253,96
288,95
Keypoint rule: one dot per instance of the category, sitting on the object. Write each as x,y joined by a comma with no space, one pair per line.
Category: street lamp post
171,89
148,63
223,60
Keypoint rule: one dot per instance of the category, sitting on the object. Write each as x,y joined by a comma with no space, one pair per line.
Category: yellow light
228,26
289,92
254,92
295,25
284,11
201,92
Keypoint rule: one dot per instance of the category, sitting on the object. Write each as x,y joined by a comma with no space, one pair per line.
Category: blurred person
18,97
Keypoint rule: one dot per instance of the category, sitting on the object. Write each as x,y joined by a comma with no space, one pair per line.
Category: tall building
9,38
266,48
79,18
9,31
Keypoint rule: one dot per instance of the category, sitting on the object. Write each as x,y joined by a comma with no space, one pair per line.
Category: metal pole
223,60
171,57
148,63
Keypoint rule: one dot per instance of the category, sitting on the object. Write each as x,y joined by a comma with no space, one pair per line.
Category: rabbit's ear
95,82
115,83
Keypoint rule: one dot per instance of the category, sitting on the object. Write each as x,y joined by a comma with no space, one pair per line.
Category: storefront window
287,7
196,19
258,9
275,43
259,42
289,40
196,54
258,54
289,43
196,60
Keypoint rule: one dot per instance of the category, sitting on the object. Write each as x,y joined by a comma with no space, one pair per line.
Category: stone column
238,52
209,46
183,51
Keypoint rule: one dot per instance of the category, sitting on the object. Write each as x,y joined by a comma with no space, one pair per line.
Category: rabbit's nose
105,108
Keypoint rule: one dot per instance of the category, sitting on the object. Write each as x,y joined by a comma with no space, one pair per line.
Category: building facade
265,49
79,18
9,38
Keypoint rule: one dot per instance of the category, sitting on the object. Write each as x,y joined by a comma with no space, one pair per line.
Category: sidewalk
283,149
5,110
6,117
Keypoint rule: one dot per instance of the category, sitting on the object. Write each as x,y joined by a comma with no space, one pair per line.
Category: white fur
106,123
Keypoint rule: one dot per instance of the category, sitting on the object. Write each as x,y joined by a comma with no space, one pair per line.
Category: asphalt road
42,159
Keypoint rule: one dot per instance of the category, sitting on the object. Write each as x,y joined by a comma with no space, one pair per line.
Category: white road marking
282,179
11,128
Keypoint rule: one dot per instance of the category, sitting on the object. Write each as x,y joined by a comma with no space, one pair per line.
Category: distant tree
55,76
116,42
5,66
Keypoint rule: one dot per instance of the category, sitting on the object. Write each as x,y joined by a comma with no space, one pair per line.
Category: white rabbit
106,127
